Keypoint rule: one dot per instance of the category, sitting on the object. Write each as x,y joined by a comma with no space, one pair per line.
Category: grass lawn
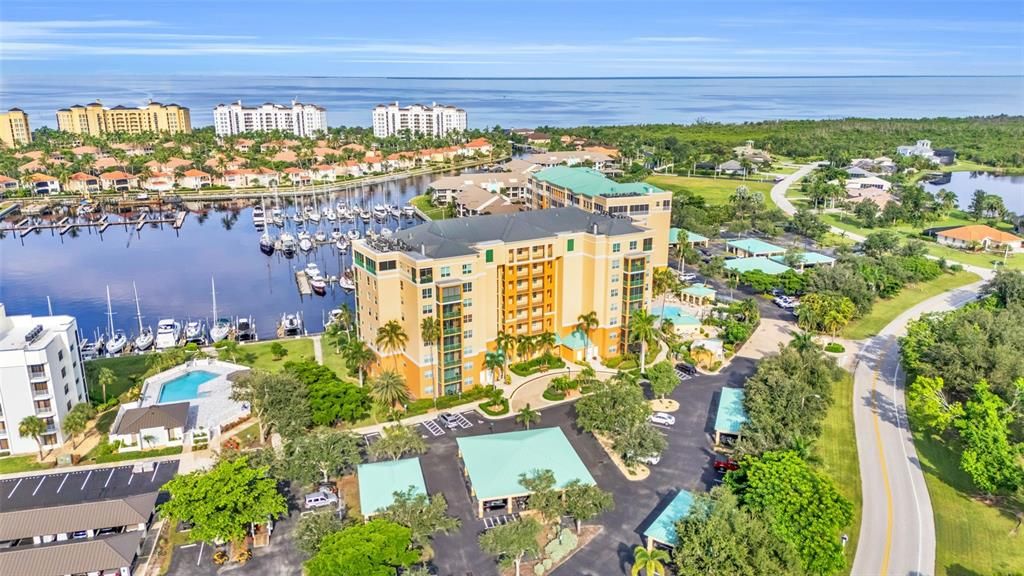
258,355
714,190
970,537
837,452
968,166
884,311
433,212
778,169
105,420
127,369
27,463
336,362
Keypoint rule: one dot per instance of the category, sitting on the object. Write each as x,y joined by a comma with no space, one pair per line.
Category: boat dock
303,281
64,225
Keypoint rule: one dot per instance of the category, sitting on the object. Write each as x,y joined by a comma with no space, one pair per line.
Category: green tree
587,323
359,356
988,456
389,390
544,498
615,407
276,400
278,351
527,416
720,538
397,441
506,343
641,328
377,548
649,562
881,243
663,378
332,402
638,442
800,504
585,501
223,502
33,427
511,542
76,420
867,211
546,341
106,378
321,455
423,515
391,338
313,528
928,405
430,332
1007,286
825,312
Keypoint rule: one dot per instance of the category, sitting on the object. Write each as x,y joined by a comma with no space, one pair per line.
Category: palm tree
493,361
506,343
650,562
106,378
587,323
359,355
388,389
525,345
803,341
391,337
641,327
527,416
664,281
430,332
33,427
546,341
587,377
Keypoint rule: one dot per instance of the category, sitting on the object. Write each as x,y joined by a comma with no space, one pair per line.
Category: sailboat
221,326
116,341
267,244
144,340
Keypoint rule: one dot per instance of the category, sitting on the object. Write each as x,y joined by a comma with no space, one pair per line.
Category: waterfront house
372,163
118,181
159,182
538,139
323,173
298,176
472,200
921,149
980,236
106,163
144,427
401,161
40,165
82,183
352,168
43,184
171,165
7,183
514,185
945,156
195,179
479,145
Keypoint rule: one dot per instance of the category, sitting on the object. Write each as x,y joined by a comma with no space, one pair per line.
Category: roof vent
34,334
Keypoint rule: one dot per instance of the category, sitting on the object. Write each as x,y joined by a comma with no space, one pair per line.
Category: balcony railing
37,375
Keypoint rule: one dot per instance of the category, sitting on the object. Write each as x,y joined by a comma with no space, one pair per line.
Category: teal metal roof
700,291
691,237
811,258
731,414
663,529
576,340
673,235
756,247
495,461
379,481
590,182
766,265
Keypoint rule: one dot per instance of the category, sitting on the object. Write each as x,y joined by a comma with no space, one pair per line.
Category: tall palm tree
388,390
525,344
546,341
587,323
359,355
430,332
493,361
641,327
391,337
650,562
803,341
33,427
527,416
506,343
664,281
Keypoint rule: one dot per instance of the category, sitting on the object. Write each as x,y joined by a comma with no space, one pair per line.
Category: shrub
424,405
491,409
539,364
613,361
553,395
716,367
834,347
557,550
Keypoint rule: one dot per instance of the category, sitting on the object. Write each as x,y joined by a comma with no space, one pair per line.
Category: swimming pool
677,315
185,387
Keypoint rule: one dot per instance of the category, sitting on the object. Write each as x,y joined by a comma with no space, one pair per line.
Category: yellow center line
885,477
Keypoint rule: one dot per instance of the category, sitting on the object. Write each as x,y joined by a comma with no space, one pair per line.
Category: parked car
320,499
663,419
686,368
651,460
723,465
447,419
687,276
776,292
785,302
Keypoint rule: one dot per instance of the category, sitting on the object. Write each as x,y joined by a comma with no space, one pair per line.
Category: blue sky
489,38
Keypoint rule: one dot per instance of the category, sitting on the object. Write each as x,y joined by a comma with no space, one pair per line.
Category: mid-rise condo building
591,191
14,128
433,120
41,374
96,120
524,273
303,120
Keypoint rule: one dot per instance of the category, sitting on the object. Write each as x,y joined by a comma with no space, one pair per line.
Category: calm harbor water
172,269
512,102
1011,188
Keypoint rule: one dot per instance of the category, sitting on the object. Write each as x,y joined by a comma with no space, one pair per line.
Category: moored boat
168,331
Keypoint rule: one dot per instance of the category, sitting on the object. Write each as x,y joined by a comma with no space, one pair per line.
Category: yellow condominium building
14,129
589,190
523,273
96,120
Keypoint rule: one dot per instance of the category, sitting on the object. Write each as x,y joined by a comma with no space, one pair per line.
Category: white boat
291,325
352,234
318,284
258,215
364,215
320,236
312,215
341,244
408,210
395,211
144,339
346,282
221,326
288,244
336,234
168,332
195,331
277,217
142,197
245,330
116,343
297,217
380,211
386,232
330,214
267,243
312,269
333,317
305,244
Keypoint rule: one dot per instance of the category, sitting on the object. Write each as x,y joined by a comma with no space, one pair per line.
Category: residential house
979,235
285,156
118,181
195,179
570,158
90,150
400,161
171,165
923,149
754,155
159,182
222,162
106,163
298,176
323,173
82,183
731,167
43,184
478,145
538,139
278,145
7,183
472,200
145,427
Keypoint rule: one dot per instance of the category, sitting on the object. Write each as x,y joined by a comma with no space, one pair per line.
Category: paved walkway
318,349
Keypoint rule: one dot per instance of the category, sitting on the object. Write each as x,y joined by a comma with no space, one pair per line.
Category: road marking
15,488
86,481
40,485
62,482
109,477
155,470
910,473
885,477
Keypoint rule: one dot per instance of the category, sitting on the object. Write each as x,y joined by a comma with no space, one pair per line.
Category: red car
723,466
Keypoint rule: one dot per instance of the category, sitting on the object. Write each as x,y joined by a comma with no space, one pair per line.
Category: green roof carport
761,263
755,247
663,529
691,237
494,462
731,415
379,481
590,182
809,259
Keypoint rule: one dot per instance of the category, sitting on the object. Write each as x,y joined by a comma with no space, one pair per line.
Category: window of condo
616,264
428,309
446,271
467,302
615,293
632,244
489,256
427,292
570,245
648,244
467,286
614,322
468,365
467,334
613,336
467,268
615,279
467,318
468,350
426,275
387,265
616,247
613,348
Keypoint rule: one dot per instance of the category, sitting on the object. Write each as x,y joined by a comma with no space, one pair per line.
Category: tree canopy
377,548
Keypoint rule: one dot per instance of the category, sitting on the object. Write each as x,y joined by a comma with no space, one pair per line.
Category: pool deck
213,407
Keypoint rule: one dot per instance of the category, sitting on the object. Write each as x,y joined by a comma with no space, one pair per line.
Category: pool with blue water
185,387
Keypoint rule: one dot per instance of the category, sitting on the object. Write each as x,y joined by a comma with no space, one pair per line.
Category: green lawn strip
27,463
136,455
778,169
336,362
105,420
971,537
433,212
836,450
259,356
714,190
127,370
885,310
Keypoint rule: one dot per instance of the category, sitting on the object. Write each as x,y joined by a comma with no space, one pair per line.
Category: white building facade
300,119
434,120
41,374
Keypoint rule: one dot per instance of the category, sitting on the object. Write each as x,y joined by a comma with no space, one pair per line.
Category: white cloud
678,39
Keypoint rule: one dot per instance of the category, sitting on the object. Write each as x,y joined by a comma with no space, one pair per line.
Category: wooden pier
303,281
64,225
